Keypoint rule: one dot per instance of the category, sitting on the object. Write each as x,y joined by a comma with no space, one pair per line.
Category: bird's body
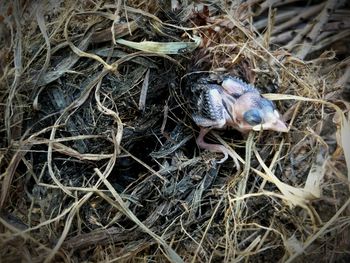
231,103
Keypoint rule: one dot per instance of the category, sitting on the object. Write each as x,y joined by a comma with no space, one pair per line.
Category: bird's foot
216,148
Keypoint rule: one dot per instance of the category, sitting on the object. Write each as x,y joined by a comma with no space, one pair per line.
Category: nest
98,156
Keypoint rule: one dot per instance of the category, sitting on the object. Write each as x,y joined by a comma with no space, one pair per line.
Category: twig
338,25
327,41
320,21
271,22
273,3
281,17
284,37
344,78
143,94
296,19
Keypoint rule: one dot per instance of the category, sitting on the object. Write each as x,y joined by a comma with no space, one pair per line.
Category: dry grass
98,158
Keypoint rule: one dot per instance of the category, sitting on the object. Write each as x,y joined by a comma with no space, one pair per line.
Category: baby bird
234,104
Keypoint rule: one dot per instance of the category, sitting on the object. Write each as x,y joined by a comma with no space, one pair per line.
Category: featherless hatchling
231,103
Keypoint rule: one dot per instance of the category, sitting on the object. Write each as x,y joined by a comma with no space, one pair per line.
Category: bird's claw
216,148
224,158
227,153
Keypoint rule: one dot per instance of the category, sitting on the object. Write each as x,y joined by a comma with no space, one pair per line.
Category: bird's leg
214,147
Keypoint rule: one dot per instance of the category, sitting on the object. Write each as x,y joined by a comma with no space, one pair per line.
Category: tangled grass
98,158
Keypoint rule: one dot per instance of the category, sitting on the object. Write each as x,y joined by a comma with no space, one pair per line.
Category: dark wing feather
209,104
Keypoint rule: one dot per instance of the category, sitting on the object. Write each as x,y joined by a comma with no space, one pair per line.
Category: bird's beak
278,126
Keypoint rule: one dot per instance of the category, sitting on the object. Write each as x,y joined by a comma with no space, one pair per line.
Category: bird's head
254,112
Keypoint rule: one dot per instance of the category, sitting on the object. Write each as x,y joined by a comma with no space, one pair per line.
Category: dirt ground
98,153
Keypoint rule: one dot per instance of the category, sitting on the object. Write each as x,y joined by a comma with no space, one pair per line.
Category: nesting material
98,157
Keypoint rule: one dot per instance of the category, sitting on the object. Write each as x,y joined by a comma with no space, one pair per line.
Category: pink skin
211,147
272,120
215,147
234,118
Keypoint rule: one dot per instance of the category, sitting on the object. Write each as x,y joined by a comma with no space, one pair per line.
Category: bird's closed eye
252,117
